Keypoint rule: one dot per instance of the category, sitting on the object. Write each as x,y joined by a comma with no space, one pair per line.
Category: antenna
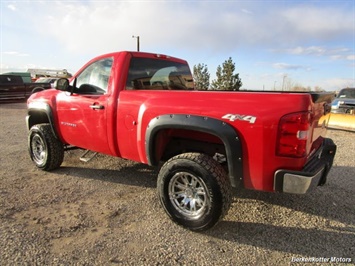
137,37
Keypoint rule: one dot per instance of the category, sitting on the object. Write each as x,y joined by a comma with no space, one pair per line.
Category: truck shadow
334,202
305,242
139,175
326,201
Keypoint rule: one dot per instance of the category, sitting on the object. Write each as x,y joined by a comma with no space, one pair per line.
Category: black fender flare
218,128
40,107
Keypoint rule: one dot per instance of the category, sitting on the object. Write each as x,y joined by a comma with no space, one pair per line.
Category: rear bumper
313,174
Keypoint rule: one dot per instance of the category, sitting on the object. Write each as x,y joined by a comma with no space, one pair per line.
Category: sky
274,44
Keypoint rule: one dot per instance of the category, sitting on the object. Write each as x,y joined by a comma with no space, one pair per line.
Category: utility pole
283,82
137,37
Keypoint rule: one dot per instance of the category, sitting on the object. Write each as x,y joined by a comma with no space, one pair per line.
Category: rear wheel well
170,142
180,145
167,135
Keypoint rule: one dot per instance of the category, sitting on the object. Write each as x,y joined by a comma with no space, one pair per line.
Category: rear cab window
158,74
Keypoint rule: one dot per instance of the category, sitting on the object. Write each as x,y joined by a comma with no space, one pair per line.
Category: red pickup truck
143,107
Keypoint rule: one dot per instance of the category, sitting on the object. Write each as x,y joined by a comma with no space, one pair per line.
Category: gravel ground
106,212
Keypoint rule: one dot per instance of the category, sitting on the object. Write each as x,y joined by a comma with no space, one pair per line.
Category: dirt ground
106,212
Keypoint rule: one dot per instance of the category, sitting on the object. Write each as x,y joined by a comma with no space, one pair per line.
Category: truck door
82,115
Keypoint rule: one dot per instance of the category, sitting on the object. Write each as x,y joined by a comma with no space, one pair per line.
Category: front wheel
46,151
194,190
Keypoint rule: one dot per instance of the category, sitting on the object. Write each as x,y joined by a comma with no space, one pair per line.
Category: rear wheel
46,151
194,190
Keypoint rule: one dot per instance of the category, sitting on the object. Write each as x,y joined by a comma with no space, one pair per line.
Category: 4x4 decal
232,117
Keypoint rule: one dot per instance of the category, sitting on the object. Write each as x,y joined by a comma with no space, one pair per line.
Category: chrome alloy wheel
39,150
189,195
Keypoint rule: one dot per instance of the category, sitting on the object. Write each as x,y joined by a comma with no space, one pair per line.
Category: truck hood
44,94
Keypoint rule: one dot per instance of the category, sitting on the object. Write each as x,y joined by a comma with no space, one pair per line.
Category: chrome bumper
313,174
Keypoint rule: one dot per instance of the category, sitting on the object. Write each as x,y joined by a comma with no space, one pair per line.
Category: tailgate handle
97,107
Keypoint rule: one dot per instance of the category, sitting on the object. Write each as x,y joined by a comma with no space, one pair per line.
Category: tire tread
217,172
54,146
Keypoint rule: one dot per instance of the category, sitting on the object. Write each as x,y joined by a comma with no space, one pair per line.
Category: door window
94,79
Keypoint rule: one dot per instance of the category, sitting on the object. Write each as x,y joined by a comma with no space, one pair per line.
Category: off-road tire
194,190
46,151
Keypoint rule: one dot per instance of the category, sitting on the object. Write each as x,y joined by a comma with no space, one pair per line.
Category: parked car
344,103
13,87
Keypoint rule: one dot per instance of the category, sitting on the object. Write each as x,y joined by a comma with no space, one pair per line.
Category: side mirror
62,84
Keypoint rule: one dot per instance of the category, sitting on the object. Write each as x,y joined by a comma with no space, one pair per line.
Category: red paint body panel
119,128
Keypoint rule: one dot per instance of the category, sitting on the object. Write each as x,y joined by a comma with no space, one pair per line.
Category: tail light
162,56
293,135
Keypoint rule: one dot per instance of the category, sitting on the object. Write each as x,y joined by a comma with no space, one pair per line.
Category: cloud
337,83
89,26
288,66
14,53
303,33
246,11
338,53
10,53
349,57
312,50
321,23
12,7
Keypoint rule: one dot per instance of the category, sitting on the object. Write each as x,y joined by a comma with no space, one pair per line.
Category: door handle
97,107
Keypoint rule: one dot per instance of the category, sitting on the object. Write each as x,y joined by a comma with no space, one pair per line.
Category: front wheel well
39,116
35,118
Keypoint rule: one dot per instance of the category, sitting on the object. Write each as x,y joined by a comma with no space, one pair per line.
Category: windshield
158,74
347,93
